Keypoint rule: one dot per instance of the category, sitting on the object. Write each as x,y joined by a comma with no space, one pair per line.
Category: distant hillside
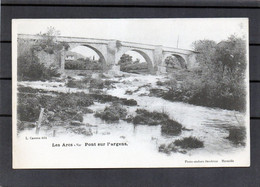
75,54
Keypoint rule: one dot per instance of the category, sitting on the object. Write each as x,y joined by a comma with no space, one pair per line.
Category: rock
95,76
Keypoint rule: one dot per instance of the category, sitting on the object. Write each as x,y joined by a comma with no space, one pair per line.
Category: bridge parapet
178,50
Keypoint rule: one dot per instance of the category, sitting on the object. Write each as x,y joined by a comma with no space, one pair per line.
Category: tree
172,62
126,59
231,57
222,66
49,43
50,35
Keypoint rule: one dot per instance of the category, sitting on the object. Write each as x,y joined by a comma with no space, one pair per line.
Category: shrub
73,100
84,100
29,68
134,68
81,130
78,117
112,113
90,83
189,143
128,102
157,92
167,148
171,127
28,108
102,98
22,125
97,83
83,64
198,90
237,135
77,64
149,118
82,84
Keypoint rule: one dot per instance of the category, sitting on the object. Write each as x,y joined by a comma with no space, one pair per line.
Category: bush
102,98
97,83
83,64
77,64
89,83
112,113
149,118
158,93
197,90
76,84
189,143
134,68
29,68
73,100
60,108
81,130
171,127
28,108
237,135
167,148
128,102
22,125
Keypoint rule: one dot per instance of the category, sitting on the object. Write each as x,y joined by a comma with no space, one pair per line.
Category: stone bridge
110,51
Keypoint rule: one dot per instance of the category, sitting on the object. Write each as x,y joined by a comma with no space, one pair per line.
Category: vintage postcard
130,93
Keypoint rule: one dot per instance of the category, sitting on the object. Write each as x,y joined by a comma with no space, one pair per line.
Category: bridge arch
179,59
147,55
101,56
99,52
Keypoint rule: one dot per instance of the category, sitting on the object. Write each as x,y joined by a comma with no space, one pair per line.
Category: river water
207,124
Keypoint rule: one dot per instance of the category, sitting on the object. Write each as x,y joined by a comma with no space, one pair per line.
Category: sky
164,32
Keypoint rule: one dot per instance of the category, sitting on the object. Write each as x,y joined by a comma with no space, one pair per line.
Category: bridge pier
158,58
62,61
111,54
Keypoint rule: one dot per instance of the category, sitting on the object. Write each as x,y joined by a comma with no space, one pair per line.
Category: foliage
28,108
128,65
81,130
172,62
112,113
135,67
29,68
61,106
149,118
125,59
219,81
48,42
84,64
90,83
167,148
168,126
171,127
237,135
189,143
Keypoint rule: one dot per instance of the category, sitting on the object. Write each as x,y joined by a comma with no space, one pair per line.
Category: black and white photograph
130,93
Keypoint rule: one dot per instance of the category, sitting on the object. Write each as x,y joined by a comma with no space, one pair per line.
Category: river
207,124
